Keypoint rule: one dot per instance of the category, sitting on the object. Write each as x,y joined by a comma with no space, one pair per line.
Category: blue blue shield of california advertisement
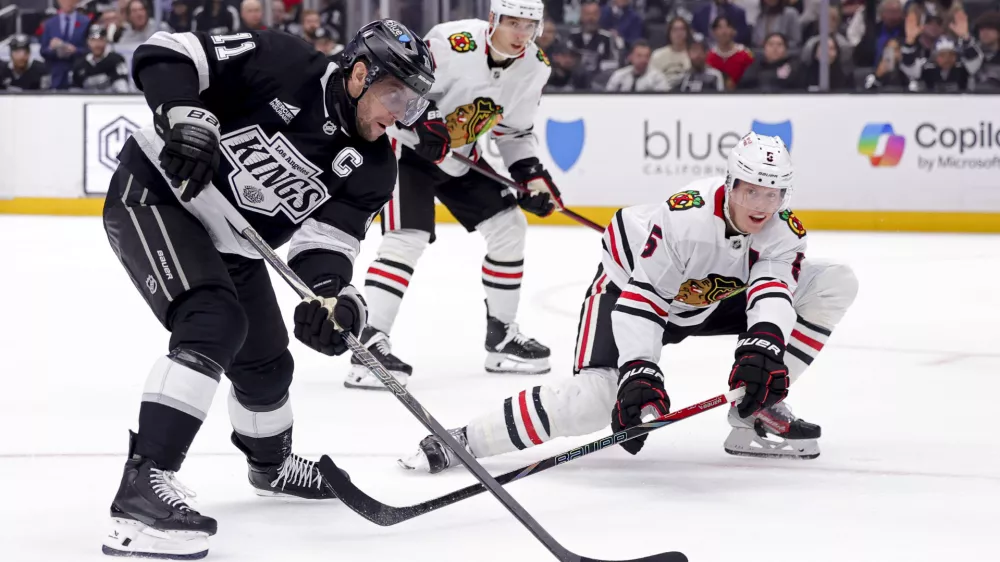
565,140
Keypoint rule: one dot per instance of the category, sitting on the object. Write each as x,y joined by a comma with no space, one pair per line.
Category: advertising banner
107,125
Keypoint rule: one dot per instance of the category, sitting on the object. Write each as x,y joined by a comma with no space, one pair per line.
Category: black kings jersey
108,73
35,77
292,161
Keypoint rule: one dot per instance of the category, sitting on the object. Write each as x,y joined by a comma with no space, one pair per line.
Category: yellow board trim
893,221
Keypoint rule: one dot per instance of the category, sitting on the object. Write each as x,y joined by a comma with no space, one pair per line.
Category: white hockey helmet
528,9
763,161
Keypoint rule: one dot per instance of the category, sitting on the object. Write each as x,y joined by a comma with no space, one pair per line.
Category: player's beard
368,127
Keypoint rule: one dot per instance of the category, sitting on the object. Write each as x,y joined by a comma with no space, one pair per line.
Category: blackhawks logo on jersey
462,42
542,57
684,200
714,288
470,121
793,222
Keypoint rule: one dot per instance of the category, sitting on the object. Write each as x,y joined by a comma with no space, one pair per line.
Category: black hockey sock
165,434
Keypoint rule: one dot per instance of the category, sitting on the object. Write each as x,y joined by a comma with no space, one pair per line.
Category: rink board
862,162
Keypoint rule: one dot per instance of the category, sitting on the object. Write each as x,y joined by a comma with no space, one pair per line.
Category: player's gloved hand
543,197
640,386
320,320
191,147
435,140
760,368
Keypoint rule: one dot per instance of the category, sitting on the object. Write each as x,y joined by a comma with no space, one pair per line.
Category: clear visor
405,105
760,199
516,31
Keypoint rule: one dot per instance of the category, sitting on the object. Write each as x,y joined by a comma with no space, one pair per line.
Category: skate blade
130,538
771,455
360,378
285,496
417,461
746,443
511,364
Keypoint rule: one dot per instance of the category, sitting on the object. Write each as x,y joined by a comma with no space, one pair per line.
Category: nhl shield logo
565,140
782,130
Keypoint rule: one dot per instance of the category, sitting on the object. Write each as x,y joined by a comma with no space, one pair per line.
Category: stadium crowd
593,45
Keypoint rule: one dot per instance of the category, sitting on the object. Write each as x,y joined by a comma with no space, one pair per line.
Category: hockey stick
387,515
410,139
329,470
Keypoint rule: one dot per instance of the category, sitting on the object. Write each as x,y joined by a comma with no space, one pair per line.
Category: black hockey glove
543,197
191,147
319,321
435,140
640,386
760,367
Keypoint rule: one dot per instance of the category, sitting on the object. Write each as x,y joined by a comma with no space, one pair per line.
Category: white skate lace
381,343
169,489
513,335
297,471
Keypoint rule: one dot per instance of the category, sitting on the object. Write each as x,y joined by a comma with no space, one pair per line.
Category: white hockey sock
503,265
389,275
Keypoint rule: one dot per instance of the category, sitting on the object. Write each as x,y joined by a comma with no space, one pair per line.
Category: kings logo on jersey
714,288
470,121
793,222
270,176
685,200
462,42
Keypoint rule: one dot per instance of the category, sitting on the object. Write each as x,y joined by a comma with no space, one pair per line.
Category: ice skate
434,455
150,517
510,351
773,432
377,342
294,477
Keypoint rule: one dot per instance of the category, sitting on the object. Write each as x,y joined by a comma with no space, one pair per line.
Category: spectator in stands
621,19
64,38
549,35
138,27
917,54
946,73
776,71
840,79
325,42
600,51
216,18
700,77
112,21
704,19
777,17
279,15
310,22
332,15
22,73
251,16
727,56
888,76
672,60
873,35
846,49
988,28
638,76
920,39
102,70
567,74
179,18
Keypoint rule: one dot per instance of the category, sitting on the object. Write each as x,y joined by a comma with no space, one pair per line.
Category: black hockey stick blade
386,515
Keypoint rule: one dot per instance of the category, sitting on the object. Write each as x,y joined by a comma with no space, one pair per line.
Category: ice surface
905,393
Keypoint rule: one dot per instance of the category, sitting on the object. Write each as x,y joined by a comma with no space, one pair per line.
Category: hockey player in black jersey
101,70
22,74
295,141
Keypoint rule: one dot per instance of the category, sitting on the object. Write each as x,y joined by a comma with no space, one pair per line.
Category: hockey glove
191,147
640,386
542,197
435,140
760,368
319,321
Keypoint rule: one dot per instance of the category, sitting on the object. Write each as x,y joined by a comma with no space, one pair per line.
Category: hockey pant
582,404
222,316
478,203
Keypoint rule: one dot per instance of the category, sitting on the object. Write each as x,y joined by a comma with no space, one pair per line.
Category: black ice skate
378,344
434,456
773,432
294,477
150,518
510,351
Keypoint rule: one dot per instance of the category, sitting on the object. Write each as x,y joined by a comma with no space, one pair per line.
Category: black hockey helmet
389,48
20,41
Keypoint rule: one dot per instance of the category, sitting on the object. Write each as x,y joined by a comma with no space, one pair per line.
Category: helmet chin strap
345,106
489,40
727,215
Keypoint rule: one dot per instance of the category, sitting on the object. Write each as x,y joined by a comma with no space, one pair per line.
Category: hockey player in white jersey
723,256
488,79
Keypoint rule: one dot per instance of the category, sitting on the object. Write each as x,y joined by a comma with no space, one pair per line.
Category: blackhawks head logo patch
462,42
793,222
541,56
714,288
685,200
470,121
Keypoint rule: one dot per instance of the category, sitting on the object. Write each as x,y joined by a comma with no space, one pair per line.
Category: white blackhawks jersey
674,264
475,99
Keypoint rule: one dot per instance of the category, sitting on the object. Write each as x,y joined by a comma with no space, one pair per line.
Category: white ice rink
906,393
